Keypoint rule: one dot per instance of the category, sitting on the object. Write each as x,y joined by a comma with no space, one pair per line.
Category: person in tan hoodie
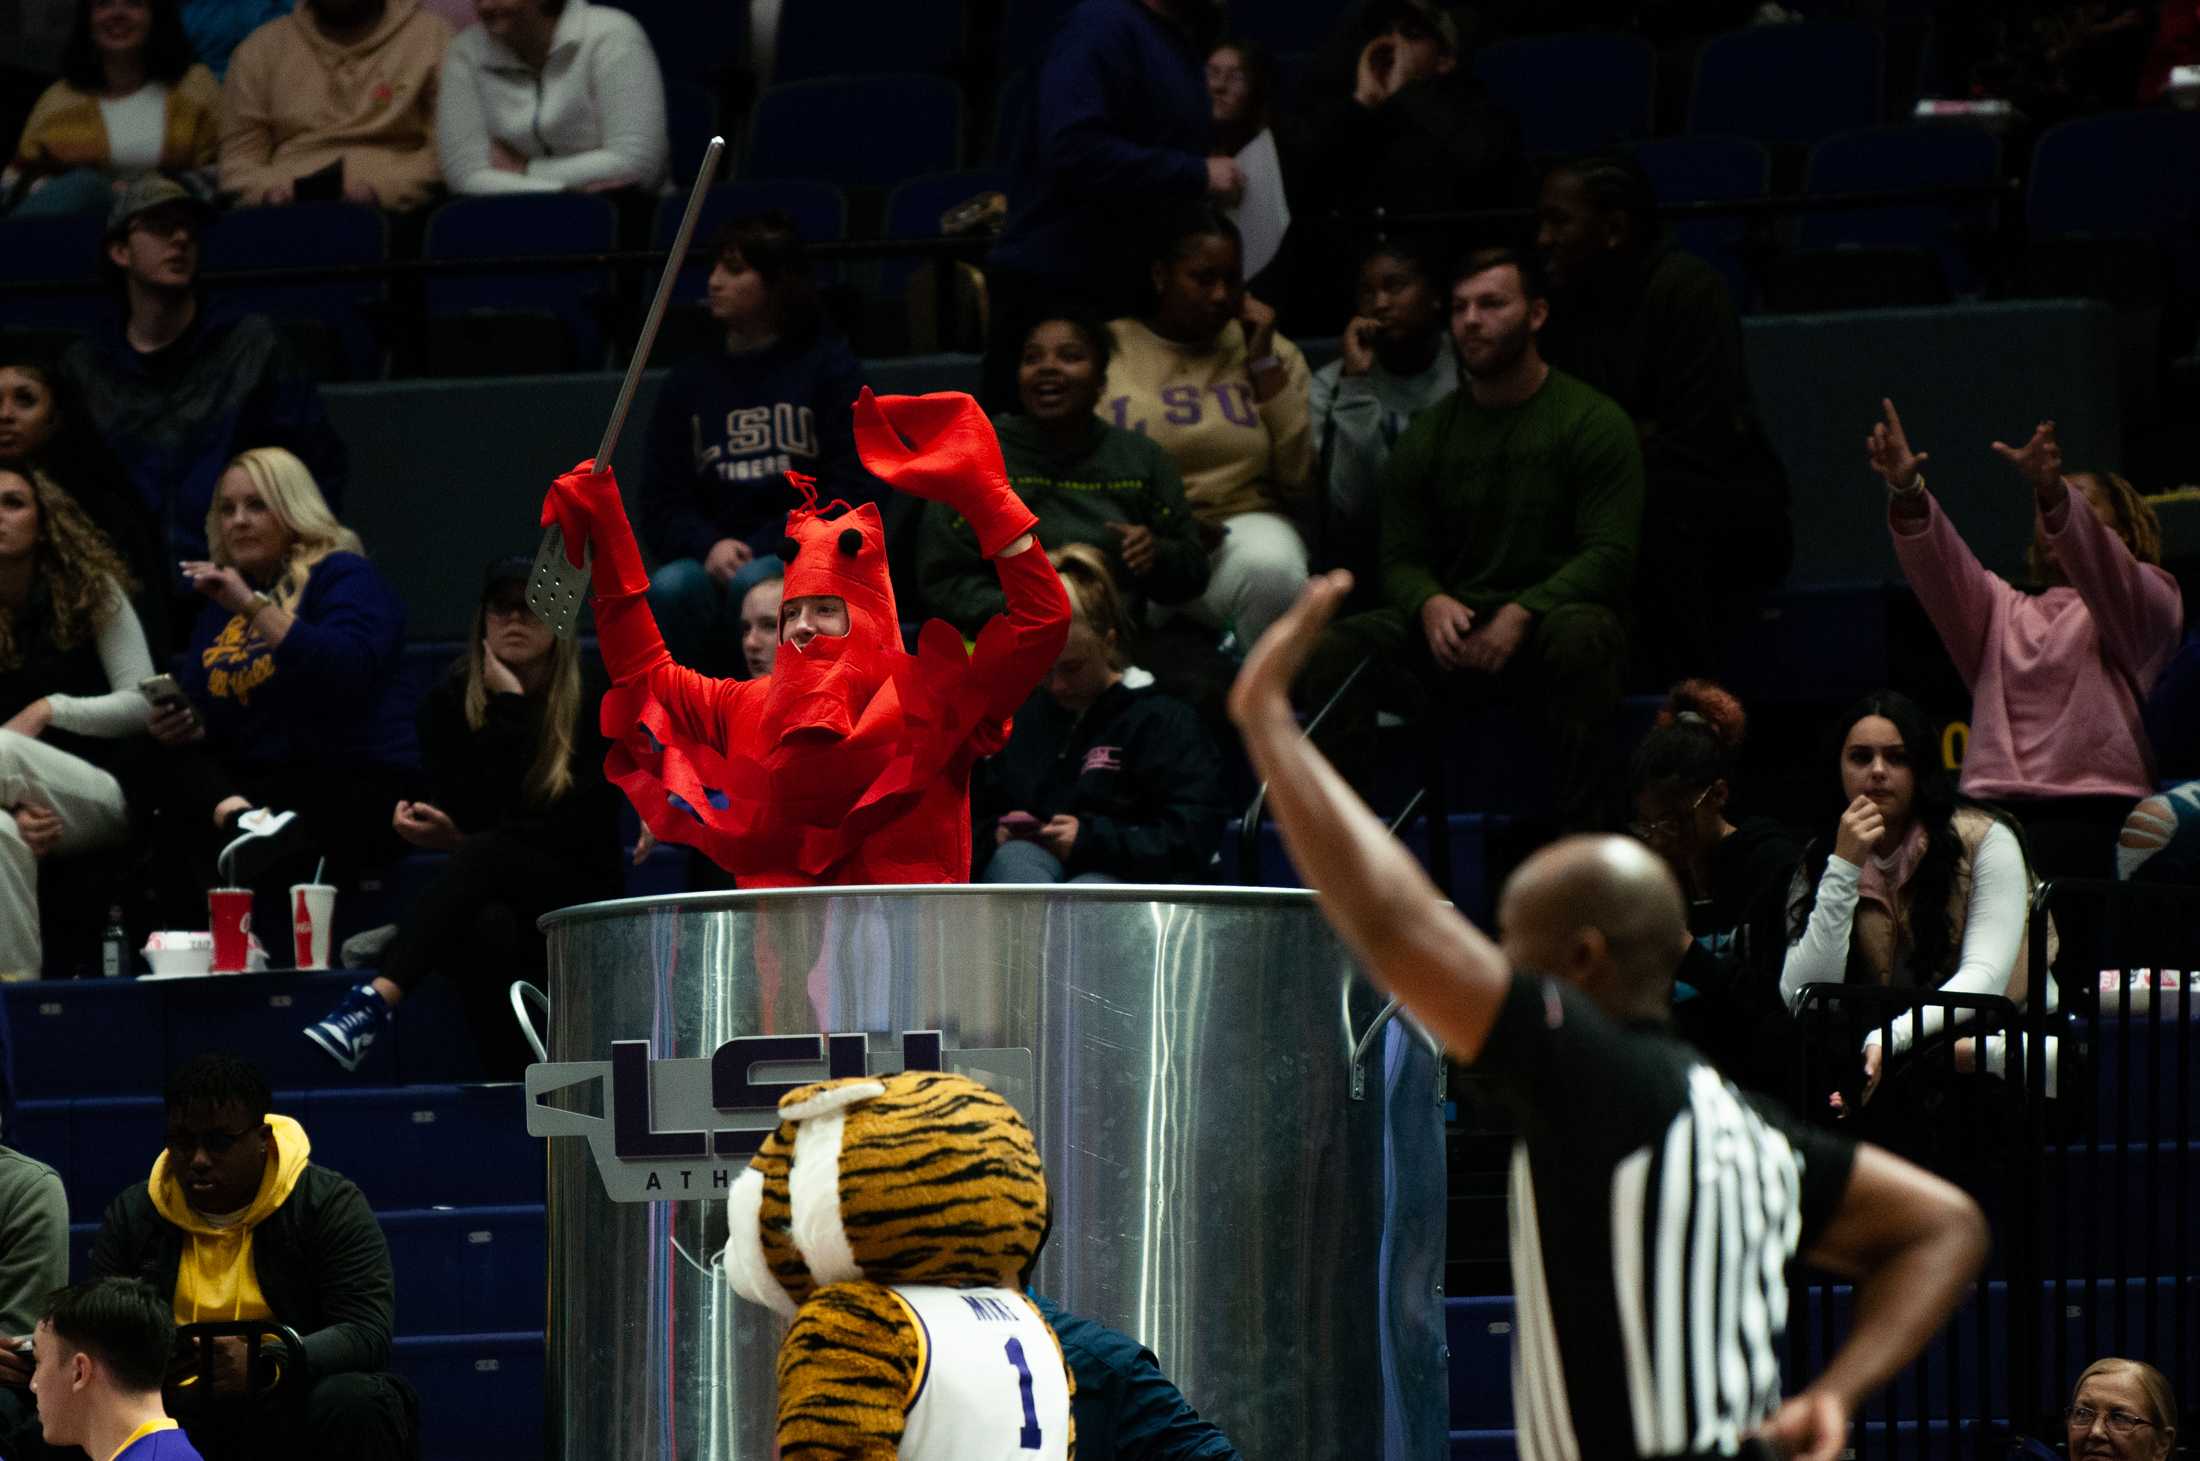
236,1222
346,83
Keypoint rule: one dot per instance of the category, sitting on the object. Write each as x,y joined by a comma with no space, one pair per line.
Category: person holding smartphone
71,657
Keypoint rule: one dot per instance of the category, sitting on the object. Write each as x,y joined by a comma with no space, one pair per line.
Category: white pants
93,815
1253,576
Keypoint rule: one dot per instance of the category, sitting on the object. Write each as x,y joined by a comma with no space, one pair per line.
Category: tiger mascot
895,1219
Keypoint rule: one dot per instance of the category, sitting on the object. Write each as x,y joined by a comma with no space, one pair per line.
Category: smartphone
1020,824
164,692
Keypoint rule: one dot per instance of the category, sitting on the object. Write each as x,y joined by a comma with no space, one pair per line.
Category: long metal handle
555,588
1366,1043
525,997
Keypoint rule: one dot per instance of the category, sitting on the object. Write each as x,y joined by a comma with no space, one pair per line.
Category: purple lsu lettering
1186,406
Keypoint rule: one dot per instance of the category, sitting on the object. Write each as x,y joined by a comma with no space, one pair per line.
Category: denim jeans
1020,861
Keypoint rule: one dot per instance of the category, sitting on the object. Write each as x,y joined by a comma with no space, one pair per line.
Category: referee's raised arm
1370,887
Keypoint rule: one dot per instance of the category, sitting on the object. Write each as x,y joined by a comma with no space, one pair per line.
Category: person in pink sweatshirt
2057,675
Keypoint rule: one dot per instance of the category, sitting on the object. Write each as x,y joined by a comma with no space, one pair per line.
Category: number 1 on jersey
1028,1438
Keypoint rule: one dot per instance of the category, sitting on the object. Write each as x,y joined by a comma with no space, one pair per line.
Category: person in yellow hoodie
1205,375
236,1223
344,83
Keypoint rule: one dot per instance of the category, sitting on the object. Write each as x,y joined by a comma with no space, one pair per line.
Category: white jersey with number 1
990,1381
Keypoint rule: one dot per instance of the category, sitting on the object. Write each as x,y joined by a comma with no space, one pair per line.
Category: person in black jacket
1126,1407
511,747
1103,780
236,1223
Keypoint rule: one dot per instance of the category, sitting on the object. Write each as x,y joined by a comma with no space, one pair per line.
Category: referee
1653,1209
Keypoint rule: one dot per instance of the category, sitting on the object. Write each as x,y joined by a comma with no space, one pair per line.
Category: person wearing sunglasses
2122,1409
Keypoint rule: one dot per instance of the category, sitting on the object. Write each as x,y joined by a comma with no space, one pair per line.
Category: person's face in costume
804,619
760,627
1059,376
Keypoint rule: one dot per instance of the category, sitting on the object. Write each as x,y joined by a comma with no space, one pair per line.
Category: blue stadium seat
830,40
913,211
1710,170
298,236
54,1024
480,1394
2121,175
867,132
468,1268
421,1145
695,40
1479,1332
62,250
1572,93
1909,157
1787,83
819,211
527,223
691,120
263,1014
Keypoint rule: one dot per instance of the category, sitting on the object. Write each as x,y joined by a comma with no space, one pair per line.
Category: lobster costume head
820,691
923,1177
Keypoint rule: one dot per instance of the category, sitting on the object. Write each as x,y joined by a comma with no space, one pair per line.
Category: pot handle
526,999
1366,1043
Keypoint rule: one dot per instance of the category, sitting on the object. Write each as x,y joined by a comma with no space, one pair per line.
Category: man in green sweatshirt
1511,511
34,1261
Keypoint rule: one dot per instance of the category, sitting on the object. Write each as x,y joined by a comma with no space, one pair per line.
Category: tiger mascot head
924,1177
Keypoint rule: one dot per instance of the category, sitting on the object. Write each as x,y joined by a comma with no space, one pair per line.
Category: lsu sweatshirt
1236,454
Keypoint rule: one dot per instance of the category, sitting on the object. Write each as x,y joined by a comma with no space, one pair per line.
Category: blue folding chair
466,310
1710,170
299,236
863,132
1905,158
1572,93
2121,175
1794,84
695,40
57,250
832,40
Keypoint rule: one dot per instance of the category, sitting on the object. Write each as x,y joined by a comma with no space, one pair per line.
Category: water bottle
114,945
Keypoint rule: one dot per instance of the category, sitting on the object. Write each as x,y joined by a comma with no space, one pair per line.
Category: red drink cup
229,916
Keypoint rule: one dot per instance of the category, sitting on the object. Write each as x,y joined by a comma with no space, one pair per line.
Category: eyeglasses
216,1141
1668,828
2120,1422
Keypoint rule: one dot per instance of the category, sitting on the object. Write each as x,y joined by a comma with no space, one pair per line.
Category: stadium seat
695,40
480,1394
913,210
691,120
1026,27
467,1268
1787,83
1710,170
519,322
1011,115
2120,176
1572,93
869,131
60,251
1905,158
341,311
818,40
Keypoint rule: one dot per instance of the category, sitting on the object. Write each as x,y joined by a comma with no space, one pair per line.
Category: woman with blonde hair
514,761
71,658
1104,779
2123,1409
291,678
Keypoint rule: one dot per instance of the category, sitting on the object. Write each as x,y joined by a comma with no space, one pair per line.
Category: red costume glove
585,505
953,459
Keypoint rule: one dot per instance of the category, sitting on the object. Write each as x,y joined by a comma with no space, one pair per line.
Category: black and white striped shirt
1653,1210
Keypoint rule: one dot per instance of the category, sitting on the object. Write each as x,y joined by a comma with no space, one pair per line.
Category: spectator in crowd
217,26
335,100
1241,86
72,656
760,625
1089,481
236,1223
1205,375
1919,889
511,751
1125,1407
291,679
177,392
551,95
2160,839
1510,511
1120,127
1392,364
103,1349
2123,1409
1651,326
2056,677
44,427
1104,779
1734,874
1403,127
130,100
730,424
34,1261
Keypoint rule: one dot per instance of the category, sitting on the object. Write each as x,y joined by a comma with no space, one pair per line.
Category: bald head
1602,912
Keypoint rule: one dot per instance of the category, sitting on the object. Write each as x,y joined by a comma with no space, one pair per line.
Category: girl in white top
1920,891
71,659
551,95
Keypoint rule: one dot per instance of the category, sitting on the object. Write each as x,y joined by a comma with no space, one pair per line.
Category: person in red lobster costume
850,762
